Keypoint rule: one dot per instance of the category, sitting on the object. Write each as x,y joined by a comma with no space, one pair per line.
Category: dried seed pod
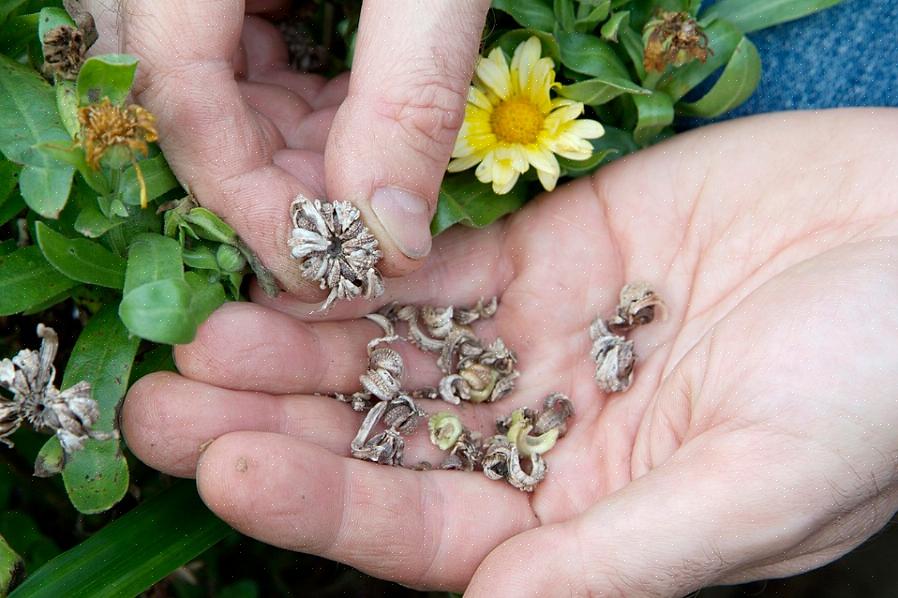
557,409
437,320
64,51
638,305
614,357
384,322
445,430
402,415
501,460
518,434
453,389
481,311
465,455
336,249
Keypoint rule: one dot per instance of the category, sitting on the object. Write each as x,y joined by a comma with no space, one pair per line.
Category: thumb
691,523
391,139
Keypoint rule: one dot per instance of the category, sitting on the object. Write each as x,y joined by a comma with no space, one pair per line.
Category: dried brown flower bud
336,249
614,358
673,39
64,51
70,414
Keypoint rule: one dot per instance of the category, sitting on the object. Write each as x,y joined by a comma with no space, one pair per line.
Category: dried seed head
557,409
465,455
70,414
501,460
481,380
335,249
519,435
64,50
445,430
673,39
638,306
402,415
614,357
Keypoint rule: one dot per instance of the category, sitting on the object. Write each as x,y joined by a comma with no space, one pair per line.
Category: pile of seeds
473,371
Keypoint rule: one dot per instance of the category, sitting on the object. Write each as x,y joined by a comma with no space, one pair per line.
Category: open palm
757,440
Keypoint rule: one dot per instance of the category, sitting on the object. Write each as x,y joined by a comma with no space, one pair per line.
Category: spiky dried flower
70,414
673,39
335,249
115,130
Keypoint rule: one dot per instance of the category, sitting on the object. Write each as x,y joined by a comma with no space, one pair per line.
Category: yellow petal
503,183
542,76
584,128
479,99
548,179
525,57
570,147
484,172
463,163
543,160
492,71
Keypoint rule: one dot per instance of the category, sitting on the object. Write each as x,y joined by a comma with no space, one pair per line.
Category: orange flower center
517,120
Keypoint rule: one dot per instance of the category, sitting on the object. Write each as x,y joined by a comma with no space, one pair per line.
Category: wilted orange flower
105,126
673,39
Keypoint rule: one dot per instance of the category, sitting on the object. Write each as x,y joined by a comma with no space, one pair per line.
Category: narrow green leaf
589,55
722,41
512,39
610,29
92,223
74,156
534,14
464,199
760,14
632,44
11,567
209,226
106,76
96,477
591,14
564,14
133,552
152,257
27,279
157,176
595,92
80,259
654,112
736,84
67,106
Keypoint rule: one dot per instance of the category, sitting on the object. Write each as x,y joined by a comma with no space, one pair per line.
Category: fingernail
406,218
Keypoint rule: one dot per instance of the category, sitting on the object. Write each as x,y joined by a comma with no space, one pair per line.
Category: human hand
247,134
758,439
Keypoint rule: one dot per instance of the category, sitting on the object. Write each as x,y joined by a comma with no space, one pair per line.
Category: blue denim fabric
843,56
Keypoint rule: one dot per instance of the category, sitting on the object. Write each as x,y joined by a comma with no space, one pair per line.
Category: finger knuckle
428,113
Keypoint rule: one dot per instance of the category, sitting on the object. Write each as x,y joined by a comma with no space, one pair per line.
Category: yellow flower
512,122
105,126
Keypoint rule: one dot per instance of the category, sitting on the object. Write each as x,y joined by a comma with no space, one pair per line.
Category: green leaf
209,226
722,41
27,279
20,531
201,258
80,259
11,567
96,477
610,29
157,176
18,34
159,311
133,552
73,155
92,223
595,92
760,14
736,84
9,178
67,106
50,459
9,7
512,39
632,44
654,112
46,190
564,14
207,295
106,76
589,55
28,117
11,207
464,199
157,359
579,168
152,258
534,14
591,14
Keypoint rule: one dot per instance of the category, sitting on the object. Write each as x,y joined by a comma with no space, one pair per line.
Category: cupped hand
759,436
246,134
